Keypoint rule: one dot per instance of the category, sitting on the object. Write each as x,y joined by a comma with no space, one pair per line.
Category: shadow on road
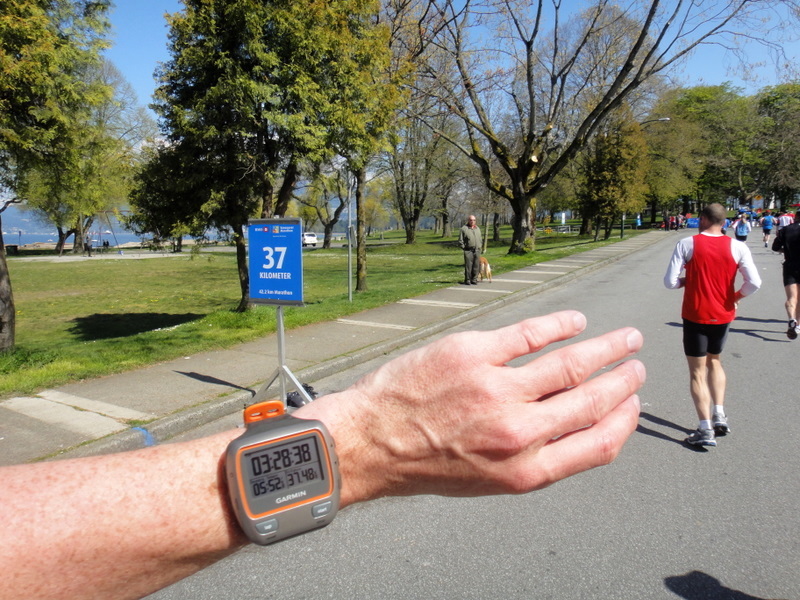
663,422
756,333
213,380
753,320
701,586
662,436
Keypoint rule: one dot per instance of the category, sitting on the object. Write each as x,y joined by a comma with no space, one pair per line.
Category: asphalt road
664,521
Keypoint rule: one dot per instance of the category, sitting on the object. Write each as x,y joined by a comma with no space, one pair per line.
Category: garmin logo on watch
294,496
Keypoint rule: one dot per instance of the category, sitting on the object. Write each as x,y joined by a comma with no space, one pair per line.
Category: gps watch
283,474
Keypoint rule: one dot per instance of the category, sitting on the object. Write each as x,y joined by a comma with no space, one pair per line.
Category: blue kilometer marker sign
275,247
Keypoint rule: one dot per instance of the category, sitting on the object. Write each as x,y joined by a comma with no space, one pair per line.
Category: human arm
777,244
680,256
434,421
744,260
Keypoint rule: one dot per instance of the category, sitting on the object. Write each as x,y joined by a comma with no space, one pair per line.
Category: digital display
282,474
279,468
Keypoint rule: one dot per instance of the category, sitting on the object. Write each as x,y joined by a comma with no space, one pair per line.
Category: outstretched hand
452,418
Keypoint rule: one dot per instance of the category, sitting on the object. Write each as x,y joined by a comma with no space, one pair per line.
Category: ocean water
22,227
27,239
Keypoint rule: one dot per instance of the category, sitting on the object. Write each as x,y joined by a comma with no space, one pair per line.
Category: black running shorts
700,339
790,275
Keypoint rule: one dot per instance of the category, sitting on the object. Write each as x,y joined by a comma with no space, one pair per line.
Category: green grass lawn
77,320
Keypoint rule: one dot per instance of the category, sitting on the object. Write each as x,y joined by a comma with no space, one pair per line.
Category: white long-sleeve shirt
741,255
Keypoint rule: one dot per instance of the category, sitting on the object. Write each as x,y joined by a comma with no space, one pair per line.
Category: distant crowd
741,224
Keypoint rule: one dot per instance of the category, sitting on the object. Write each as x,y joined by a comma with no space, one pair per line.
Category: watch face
279,474
282,474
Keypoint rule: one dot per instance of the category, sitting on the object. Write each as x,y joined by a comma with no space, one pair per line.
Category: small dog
486,270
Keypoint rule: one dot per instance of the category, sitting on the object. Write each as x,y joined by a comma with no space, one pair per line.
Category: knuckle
607,449
594,403
573,369
506,465
504,440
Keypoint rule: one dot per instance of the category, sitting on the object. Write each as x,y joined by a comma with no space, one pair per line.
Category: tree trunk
411,229
62,240
328,235
496,227
286,189
361,237
609,225
446,227
241,264
267,200
8,314
329,223
77,241
520,223
81,234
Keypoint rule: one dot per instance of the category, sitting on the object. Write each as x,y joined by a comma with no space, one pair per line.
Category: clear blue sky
139,38
139,35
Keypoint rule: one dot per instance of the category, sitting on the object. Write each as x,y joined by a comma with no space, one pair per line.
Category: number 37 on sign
276,261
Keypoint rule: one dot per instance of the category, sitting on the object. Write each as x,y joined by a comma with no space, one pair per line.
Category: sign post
276,277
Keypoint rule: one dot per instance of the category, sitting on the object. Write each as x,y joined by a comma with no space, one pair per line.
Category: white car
309,239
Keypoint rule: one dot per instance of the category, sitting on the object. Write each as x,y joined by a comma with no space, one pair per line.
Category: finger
588,403
531,335
535,424
571,365
586,448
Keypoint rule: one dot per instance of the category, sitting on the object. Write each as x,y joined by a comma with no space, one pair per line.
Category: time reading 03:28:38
285,466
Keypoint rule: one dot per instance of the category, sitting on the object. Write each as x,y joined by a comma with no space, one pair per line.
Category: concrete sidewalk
154,404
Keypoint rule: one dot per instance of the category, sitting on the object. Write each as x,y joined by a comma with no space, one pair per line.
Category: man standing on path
788,242
711,260
469,240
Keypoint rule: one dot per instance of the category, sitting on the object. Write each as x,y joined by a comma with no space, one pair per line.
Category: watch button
267,527
321,510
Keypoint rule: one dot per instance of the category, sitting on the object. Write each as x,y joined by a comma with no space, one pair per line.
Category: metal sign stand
276,277
282,372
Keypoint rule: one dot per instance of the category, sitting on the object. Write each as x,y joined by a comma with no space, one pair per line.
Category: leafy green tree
90,171
163,197
45,45
308,215
614,170
375,213
730,129
780,107
678,149
254,89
